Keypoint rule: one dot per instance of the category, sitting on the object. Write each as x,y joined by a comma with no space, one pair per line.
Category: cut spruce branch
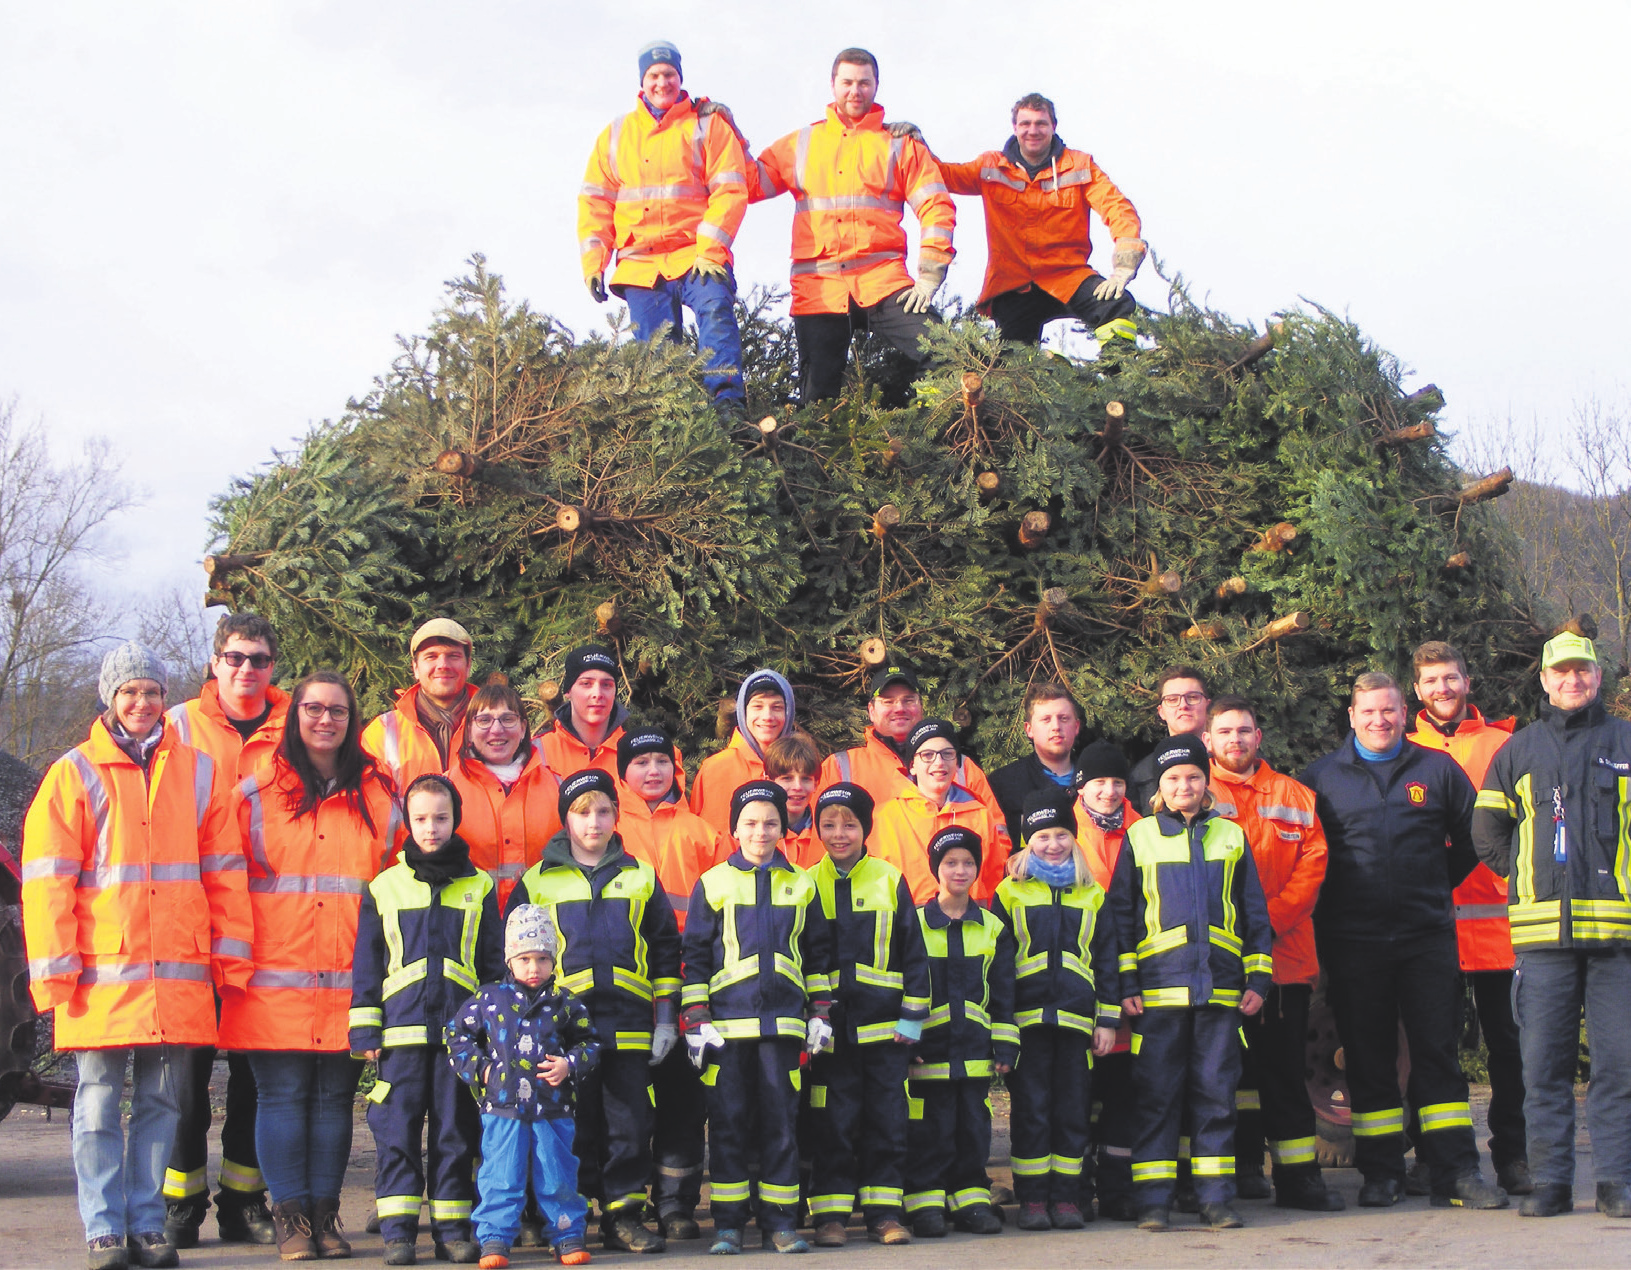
1276,537
1115,422
607,618
1229,587
989,484
884,520
1427,397
1456,563
1403,436
1205,630
874,652
217,567
1033,529
458,463
1162,582
1256,351
1492,486
1055,602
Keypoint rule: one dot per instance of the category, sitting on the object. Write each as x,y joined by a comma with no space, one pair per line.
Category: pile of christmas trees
1271,507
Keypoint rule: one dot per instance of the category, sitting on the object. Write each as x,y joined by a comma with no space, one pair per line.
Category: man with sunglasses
237,719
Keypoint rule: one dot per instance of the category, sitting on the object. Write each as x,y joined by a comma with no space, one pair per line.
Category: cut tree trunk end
457,463
973,390
1280,627
1230,586
1033,529
608,619
988,483
1276,537
874,652
1428,397
1492,486
1163,582
1403,436
1115,421
885,519
1206,630
218,566
1055,600
1458,562
892,452
549,694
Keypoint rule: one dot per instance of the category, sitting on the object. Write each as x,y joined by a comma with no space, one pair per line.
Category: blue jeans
1549,990
714,304
509,1148
303,1123
121,1179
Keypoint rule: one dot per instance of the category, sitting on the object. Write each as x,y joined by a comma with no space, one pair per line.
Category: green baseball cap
1567,647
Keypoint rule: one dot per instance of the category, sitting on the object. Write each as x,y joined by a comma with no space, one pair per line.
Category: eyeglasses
260,661
315,710
1183,699
488,722
141,694
934,757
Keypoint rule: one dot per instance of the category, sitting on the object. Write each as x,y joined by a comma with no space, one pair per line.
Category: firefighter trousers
416,1083
948,1143
858,1101
1050,1091
1272,1103
679,1138
1492,998
615,1120
753,1103
186,1181
1185,1057
1108,1170
1373,986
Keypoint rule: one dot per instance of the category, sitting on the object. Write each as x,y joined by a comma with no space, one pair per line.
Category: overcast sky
216,217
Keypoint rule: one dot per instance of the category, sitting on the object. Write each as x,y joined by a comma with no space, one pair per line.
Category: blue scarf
1061,874
1380,756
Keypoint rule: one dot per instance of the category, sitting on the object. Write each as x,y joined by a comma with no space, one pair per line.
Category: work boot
292,1222
462,1252
151,1248
1220,1216
400,1252
789,1241
182,1219
1614,1199
623,1231
242,1218
727,1243
1251,1184
679,1225
1034,1216
1301,1186
1547,1199
327,1232
830,1233
888,1230
1381,1192
1471,1191
976,1219
1065,1216
1152,1217
1514,1178
106,1252
1118,1207
929,1223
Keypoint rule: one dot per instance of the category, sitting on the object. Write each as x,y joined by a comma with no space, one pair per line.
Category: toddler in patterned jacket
522,1045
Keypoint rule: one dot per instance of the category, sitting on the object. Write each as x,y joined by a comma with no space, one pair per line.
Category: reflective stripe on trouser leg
754,1079
1214,1074
1277,1044
614,1119
423,1087
246,1179
182,1185
1292,1151
860,1133
949,1145
680,1118
1050,1092
187,1174
240,1164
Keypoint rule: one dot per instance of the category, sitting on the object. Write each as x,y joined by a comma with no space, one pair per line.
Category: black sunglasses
260,661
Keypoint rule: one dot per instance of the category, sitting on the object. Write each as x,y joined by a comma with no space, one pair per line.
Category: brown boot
325,1220
292,1222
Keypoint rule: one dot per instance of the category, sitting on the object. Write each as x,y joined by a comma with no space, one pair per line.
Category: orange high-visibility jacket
306,880
1102,851
719,777
1482,930
802,847
902,827
877,769
507,830
679,844
662,194
1036,228
203,724
399,741
1277,816
134,908
566,753
851,183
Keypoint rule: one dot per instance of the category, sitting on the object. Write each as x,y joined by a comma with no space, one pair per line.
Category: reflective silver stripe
1478,912
842,761
98,795
1227,810
48,966
1079,177
637,193
509,870
999,177
51,867
203,785
616,131
300,979
801,157
726,178
392,745
223,862
257,826
925,192
141,971
896,145
393,824
767,182
307,884
184,726
706,230
843,266
113,875
231,948
935,239
590,244
594,191
848,203
187,871
699,154
1291,815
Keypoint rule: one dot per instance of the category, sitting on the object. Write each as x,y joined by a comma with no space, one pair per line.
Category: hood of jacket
742,706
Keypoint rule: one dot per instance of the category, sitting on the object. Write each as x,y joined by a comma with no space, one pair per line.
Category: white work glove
709,269
818,1036
1129,255
596,282
697,1043
903,129
930,274
663,1037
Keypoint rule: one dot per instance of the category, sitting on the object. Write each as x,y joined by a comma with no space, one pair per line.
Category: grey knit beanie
529,930
130,661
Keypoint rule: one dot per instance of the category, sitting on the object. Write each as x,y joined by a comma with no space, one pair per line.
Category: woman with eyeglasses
508,789
317,824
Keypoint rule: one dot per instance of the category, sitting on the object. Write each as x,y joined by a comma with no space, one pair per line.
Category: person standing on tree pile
1037,194
134,912
419,736
1288,846
237,719
851,183
1554,819
1181,701
666,190
1398,825
1450,723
